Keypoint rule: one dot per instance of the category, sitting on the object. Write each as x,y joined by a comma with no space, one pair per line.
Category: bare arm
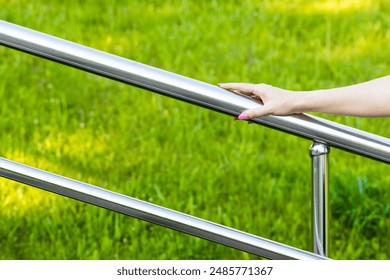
368,99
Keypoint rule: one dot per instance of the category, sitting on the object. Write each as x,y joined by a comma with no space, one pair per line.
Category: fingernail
243,116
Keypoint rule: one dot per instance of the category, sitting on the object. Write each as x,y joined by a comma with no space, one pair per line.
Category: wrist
311,101
302,102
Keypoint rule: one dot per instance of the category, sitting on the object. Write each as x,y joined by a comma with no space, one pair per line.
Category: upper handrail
189,90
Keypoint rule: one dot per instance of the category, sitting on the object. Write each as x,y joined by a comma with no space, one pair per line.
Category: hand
276,101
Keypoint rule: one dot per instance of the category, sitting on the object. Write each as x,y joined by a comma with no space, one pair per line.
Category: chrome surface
150,212
319,153
189,90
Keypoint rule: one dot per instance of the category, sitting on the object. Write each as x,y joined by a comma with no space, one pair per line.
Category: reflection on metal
189,90
319,154
150,212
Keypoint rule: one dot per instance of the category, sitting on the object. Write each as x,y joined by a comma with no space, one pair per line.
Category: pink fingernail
243,116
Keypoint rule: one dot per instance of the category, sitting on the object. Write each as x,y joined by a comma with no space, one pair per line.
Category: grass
178,155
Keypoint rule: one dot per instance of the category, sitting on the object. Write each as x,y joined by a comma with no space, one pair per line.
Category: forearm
368,99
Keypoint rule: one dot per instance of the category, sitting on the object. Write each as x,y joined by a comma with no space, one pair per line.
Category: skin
368,99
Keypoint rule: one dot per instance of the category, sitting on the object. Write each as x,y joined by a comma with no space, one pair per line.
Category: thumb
253,113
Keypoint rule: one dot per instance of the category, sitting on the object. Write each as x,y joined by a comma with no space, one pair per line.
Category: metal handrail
189,90
151,212
324,133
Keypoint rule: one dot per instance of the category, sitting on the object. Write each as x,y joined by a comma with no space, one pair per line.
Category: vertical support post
319,154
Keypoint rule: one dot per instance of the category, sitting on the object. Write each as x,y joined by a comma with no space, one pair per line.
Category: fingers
255,90
244,88
247,89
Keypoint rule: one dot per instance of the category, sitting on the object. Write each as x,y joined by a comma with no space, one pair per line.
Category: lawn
178,155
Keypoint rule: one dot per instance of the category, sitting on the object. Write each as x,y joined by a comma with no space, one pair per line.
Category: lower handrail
150,212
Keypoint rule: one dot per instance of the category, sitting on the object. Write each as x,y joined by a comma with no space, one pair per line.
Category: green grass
178,155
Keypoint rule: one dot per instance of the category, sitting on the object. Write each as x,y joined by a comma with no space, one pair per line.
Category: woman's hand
276,101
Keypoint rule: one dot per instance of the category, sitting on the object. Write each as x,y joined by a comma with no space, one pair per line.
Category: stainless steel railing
150,212
322,132
188,90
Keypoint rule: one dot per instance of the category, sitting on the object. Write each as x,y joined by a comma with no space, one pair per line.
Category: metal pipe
189,90
319,153
150,212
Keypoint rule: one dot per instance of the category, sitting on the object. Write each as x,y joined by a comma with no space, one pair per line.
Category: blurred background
178,155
